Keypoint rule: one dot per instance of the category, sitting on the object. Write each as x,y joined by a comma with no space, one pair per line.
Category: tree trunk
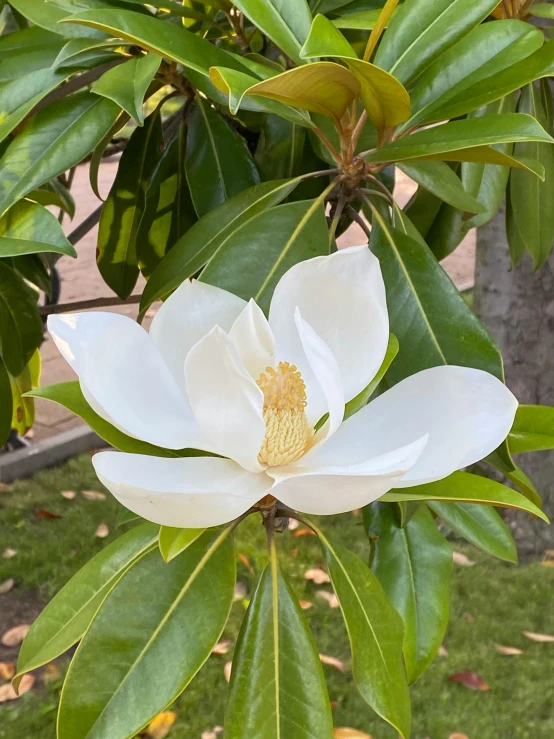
517,306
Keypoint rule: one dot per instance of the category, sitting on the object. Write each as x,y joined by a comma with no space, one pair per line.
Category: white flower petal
329,490
187,316
343,298
225,400
466,412
253,340
124,377
187,492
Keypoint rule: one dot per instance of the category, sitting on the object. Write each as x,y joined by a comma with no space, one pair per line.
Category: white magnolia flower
214,374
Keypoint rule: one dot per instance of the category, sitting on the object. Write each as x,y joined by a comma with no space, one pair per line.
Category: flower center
287,429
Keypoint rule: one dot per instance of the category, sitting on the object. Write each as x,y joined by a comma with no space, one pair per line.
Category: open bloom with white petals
214,374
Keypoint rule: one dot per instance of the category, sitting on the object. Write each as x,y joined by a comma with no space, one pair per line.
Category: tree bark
517,306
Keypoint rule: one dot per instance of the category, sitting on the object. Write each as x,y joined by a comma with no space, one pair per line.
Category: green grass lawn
492,603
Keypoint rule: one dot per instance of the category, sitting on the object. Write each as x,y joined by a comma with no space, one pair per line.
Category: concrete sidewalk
82,281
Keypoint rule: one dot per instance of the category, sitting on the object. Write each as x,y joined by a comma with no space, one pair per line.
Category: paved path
81,281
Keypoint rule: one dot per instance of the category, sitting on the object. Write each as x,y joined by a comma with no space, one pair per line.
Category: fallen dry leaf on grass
7,670
102,531
457,735
43,513
508,651
331,598
160,726
470,618
15,636
461,559
333,662
7,693
443,651
246,562
227,670
471,680
214,733
346,733
303,532
5,487
9,553
6,586
51,673
68,494
93,495
543,638
317,575
305,604
222,647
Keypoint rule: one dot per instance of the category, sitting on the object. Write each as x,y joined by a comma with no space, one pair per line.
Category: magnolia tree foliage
288,379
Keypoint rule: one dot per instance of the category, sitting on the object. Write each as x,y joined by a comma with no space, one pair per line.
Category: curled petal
253,340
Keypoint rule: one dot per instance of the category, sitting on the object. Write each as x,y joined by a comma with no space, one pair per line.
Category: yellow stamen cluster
287,429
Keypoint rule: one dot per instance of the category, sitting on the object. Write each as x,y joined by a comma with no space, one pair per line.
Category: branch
359,220
87,225
47,310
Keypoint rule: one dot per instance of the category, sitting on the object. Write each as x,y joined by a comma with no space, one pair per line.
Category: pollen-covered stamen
287,429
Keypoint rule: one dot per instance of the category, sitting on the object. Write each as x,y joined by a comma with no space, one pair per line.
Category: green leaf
480,525
286,22
23,413
47,15
127,83
438,178
117,247
168,209
542,10
174,541
202,241
77,48
375,632
530,198
55,139
5,404
28,228
363,20
325,39
457,140
20,324
362,399
155,623
253,259
218,163
413,565
27,50
533,429
280,149
463,487
126,516
96,158
69,395
56,194
68,615
487,50
420,31
277,684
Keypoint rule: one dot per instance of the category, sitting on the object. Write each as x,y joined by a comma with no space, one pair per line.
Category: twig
78,305
359,220
87,225
320,173
337,213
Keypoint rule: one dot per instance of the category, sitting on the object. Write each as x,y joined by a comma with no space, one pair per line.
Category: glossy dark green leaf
55,139
28,228
480,525
33,268
218,164
277,684
362,20
280,149
542,10
77,48
56,194
253,259
362,399
154,632
420,31
117,246
69,614
438,178
285,22
413,565
463,487
168,209
530,198
28,50
5,404
20,324
127,83
48,15
96,158
173,541
533,429
375,631
487,50
202,241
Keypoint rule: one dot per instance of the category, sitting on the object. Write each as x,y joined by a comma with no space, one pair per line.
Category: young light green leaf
174,541
533,429
363,20
542,10
20,324
28,228
68,615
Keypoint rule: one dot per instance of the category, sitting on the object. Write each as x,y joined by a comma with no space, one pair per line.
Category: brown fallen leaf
543,638
443,651
222,647
470,618
462,560
160,726
293,524
294,552
6,586
51,673
227,670
15,636
471,680
508,651
246,562
7,693
317,575
5,487
332,662
305,604
344,732
356,512
68,494
331,598
548,563
7,670
458,735
93,495
102,531
9,553
303,532
212,733
43,513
